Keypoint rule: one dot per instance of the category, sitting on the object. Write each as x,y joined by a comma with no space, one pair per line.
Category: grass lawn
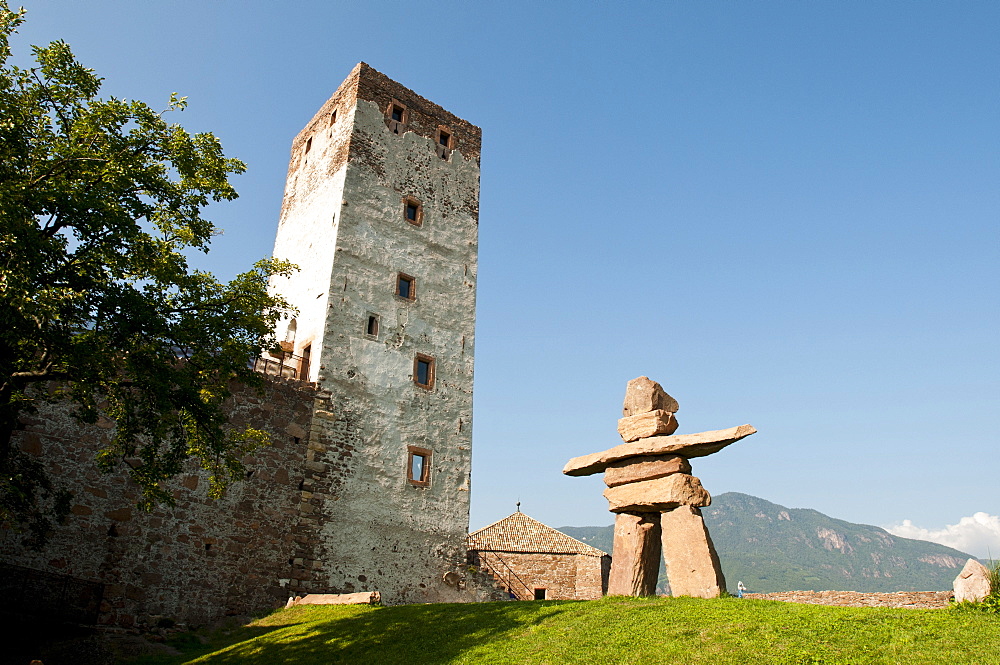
613,630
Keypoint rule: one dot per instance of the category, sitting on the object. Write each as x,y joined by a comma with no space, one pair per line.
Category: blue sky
787,213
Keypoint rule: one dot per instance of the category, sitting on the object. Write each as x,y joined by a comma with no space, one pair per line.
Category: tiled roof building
520,533
534,561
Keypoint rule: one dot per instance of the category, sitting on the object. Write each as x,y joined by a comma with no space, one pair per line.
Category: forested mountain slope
774,548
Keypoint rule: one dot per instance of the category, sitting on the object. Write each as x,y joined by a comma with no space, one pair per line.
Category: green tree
99,200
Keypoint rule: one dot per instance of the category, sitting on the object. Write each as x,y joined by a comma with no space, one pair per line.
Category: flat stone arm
685,445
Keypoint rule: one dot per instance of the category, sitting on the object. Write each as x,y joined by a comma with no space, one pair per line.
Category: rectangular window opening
309,144
423,371
539,594
443,148
396,117
304,366
371,328
413,211
406,287
418,466
333,116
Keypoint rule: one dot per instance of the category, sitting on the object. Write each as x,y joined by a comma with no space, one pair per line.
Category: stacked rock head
643,395
648,411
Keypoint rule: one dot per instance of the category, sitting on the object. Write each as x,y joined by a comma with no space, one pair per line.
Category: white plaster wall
380,532
308,230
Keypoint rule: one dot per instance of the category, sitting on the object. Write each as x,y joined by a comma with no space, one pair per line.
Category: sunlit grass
613,631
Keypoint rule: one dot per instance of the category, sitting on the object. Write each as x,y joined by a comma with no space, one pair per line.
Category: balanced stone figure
656,499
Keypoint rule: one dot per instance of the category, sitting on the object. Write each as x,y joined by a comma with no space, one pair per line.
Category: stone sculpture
656,499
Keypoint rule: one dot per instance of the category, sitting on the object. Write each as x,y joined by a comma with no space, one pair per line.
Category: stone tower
380,213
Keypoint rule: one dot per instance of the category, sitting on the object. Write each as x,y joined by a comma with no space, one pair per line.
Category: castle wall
203,558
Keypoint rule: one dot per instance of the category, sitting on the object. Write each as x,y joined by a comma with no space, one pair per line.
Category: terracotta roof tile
520,533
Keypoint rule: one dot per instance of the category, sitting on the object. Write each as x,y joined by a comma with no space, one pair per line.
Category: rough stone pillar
692,565
635,561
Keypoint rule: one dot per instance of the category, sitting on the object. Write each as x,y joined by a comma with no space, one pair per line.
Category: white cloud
978,535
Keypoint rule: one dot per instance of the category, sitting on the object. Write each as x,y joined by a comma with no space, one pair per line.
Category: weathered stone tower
381,214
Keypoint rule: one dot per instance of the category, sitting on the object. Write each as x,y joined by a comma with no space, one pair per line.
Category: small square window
423,371
406,287
418,466
396,117
371,327
443,147
413,211
539,594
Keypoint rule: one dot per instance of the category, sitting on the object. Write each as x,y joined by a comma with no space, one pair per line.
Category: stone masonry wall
563,576
203,558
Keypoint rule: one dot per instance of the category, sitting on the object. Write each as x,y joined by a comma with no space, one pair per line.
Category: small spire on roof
518,504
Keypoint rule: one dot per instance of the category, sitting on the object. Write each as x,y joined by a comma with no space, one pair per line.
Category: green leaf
99,201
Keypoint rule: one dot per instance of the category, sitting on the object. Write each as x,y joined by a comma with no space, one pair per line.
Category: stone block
644,425
643,394
119,515
360,598
151,579
114,590
294,429
31,444
636,469
635,562
973,583
692,564
685,445
657,495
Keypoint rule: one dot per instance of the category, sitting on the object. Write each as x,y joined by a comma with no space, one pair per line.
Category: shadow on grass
427,634
192,647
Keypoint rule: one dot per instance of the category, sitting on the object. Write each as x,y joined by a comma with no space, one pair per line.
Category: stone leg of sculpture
635,561
692,565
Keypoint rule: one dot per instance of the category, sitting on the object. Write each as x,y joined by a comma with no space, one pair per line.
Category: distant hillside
773,548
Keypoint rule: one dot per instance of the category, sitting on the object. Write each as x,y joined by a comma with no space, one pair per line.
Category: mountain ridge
770,548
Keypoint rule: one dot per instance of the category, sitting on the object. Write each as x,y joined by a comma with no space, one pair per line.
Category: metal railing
503,574
287,366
